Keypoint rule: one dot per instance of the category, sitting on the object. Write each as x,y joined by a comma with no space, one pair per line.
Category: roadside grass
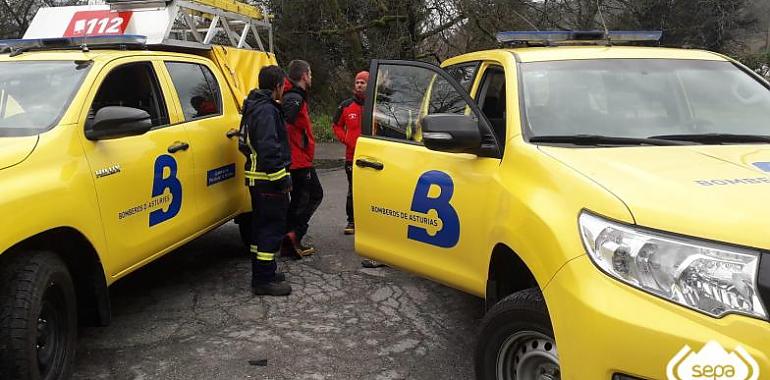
322,130
322,127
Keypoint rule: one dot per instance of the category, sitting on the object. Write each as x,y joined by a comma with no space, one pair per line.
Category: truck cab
605,200
116,151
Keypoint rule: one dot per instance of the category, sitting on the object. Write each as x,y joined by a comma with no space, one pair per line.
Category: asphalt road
191,315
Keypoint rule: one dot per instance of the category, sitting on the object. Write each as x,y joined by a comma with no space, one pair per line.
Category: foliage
340,37
322,127
759,62
15,15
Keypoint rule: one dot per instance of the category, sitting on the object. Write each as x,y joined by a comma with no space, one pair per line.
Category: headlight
713,278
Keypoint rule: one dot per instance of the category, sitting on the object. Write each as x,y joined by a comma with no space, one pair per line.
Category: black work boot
279,277
272,289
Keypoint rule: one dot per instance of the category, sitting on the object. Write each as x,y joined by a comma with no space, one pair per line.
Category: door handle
232,133
363,163
177,146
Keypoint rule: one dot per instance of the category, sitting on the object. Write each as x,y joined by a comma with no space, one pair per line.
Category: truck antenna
604,24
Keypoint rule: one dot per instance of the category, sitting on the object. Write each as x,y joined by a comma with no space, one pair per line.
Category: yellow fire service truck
118,144
607,201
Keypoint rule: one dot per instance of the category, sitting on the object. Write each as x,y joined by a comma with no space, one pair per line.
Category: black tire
244,228
38,318
516,335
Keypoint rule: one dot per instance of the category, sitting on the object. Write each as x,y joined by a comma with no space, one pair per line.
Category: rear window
197,88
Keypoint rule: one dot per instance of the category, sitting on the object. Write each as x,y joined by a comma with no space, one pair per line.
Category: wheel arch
508,274
83,263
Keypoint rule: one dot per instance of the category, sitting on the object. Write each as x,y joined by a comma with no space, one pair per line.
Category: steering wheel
744,94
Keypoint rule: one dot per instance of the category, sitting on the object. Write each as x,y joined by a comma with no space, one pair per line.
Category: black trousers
349,203
306,196
268,225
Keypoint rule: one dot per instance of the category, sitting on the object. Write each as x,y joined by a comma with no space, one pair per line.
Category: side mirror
114,122
451,133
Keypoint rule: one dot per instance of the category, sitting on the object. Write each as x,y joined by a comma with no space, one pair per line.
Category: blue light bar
73,42
577,36
137,4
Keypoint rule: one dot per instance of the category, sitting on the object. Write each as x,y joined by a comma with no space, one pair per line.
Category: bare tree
339,37
15,15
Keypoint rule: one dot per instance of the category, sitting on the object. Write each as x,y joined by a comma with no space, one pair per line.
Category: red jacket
347,124
298,126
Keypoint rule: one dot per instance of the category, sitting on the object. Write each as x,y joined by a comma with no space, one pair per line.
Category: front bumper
604,327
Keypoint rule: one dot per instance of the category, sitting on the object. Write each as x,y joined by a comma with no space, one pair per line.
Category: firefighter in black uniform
263,140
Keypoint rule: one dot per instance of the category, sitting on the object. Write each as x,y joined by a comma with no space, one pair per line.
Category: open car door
422,174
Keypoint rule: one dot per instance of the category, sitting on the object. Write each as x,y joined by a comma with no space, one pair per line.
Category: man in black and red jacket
347,128
307,193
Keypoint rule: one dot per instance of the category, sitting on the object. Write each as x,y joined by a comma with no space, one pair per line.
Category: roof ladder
200,23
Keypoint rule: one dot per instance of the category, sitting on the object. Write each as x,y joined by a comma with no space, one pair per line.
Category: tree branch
378,23
16,18
441,28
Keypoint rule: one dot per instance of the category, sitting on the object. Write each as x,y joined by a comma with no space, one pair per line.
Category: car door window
9,107
197,89
464,74
132,85
491,99
406,94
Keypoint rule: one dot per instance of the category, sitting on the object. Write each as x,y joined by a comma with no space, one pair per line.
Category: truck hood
717,192
14,150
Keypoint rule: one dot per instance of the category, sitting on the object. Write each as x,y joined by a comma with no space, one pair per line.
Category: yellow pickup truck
606,201
113,152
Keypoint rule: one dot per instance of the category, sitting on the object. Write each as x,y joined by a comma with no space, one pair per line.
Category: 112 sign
98,23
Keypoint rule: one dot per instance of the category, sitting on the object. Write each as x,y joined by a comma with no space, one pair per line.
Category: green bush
322,127
754,61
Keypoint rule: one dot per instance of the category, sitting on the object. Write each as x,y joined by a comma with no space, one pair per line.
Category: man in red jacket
347,128
307,193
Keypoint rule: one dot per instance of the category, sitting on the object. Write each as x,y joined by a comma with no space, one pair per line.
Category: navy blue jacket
264,142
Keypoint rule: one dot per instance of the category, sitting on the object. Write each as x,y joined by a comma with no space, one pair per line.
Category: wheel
516,340
244,227
38,318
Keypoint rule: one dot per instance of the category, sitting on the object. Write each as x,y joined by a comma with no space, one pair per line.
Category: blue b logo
160,184
763,166
449,234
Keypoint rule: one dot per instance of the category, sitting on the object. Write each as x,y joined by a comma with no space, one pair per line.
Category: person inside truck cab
203,106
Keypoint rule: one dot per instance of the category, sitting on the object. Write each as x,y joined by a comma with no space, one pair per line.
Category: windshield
34,95
642,98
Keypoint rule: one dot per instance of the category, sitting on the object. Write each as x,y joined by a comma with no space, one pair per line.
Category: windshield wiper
715,138
603,140
18,51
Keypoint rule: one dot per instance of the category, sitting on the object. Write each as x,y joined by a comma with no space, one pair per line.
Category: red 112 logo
97,23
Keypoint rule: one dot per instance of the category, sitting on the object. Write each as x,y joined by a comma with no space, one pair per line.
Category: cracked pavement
191,315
